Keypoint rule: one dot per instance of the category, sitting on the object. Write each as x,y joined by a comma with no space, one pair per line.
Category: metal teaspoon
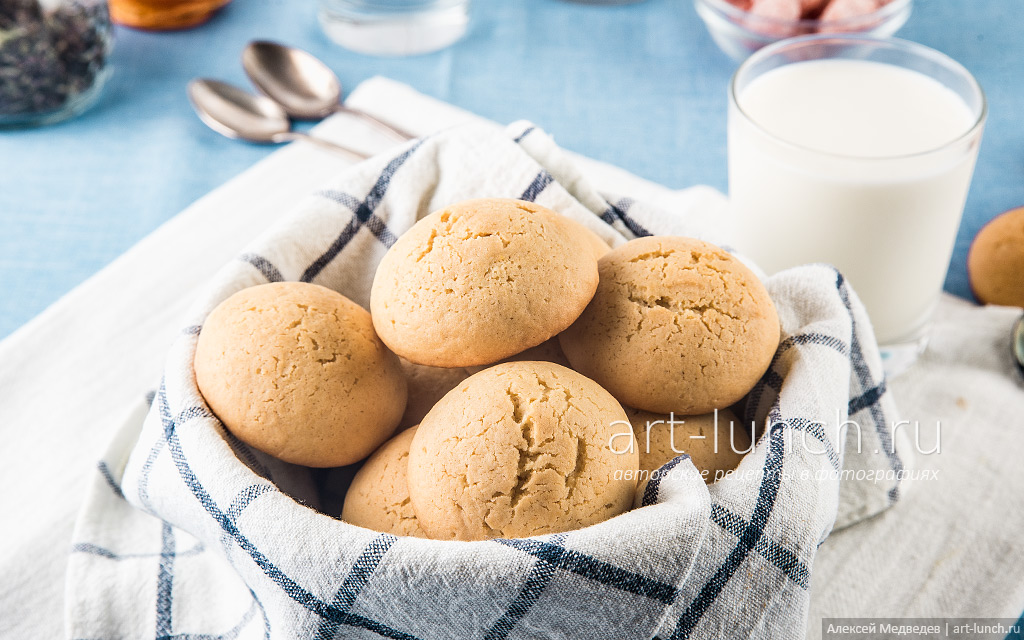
301,83
235,113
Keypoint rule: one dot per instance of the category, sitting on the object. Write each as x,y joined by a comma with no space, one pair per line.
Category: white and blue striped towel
187,533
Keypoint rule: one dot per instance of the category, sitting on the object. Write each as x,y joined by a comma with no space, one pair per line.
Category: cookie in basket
521,449
378,497
296,370
597,245
677,325
427,385
480,281
715,448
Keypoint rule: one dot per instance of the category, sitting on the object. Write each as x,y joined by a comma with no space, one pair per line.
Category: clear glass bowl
739,33
53,58
394,27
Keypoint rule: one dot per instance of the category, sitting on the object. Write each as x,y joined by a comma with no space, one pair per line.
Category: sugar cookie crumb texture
296,370
521,449
677,325
480,281
659,441
378,498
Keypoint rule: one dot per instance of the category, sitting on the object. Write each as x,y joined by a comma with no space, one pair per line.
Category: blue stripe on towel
530,129
747,541
771,377
362,213
539,184
781,557
867,383
264,266
109,478
537,580
594,569
619,212
654,484
355,581
165,583
291,588
868,398
96,550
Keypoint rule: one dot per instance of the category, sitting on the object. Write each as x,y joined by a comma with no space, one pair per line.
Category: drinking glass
887,222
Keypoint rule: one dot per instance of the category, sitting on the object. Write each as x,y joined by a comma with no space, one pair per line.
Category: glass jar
53,58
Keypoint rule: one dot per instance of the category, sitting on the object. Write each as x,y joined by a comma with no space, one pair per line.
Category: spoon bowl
236,113
305,87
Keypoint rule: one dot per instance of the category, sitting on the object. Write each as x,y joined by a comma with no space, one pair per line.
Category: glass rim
914,48
882,13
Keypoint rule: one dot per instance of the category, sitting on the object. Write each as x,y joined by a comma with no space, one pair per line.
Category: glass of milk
857,152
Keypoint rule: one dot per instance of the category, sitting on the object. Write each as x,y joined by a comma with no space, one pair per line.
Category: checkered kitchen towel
187,533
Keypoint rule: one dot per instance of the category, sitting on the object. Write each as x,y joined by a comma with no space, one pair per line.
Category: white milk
845,177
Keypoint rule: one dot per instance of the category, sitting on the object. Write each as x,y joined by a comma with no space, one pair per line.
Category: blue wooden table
641,86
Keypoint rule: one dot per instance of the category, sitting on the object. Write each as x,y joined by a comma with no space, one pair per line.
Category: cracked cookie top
480,281
521,449
677,325
296,370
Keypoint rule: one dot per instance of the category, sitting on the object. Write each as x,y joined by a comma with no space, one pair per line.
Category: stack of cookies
532,373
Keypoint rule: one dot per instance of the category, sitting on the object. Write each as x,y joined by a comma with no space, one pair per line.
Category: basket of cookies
461,393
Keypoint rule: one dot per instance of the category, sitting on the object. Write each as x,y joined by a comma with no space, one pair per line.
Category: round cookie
427,385
677,325
660,441
521,449
995,262
296,371
480,281
597,244
378,497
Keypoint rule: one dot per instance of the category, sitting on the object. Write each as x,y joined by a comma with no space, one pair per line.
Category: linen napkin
188,532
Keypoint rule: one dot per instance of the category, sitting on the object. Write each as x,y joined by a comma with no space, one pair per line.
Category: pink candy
778,18
845,9
788,10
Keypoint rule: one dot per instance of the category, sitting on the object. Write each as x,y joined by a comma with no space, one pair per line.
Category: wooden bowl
163,15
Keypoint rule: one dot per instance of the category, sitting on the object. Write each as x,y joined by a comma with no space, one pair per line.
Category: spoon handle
320,142
401,133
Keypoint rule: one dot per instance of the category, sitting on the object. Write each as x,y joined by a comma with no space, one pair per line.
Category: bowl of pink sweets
741,27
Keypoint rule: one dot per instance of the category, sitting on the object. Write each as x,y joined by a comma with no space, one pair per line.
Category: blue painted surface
641,86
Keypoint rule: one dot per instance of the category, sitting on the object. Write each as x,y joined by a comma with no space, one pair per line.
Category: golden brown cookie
378,497
597,245
427,385
677,325
480,281
995,262
714,447
296,370
521,449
